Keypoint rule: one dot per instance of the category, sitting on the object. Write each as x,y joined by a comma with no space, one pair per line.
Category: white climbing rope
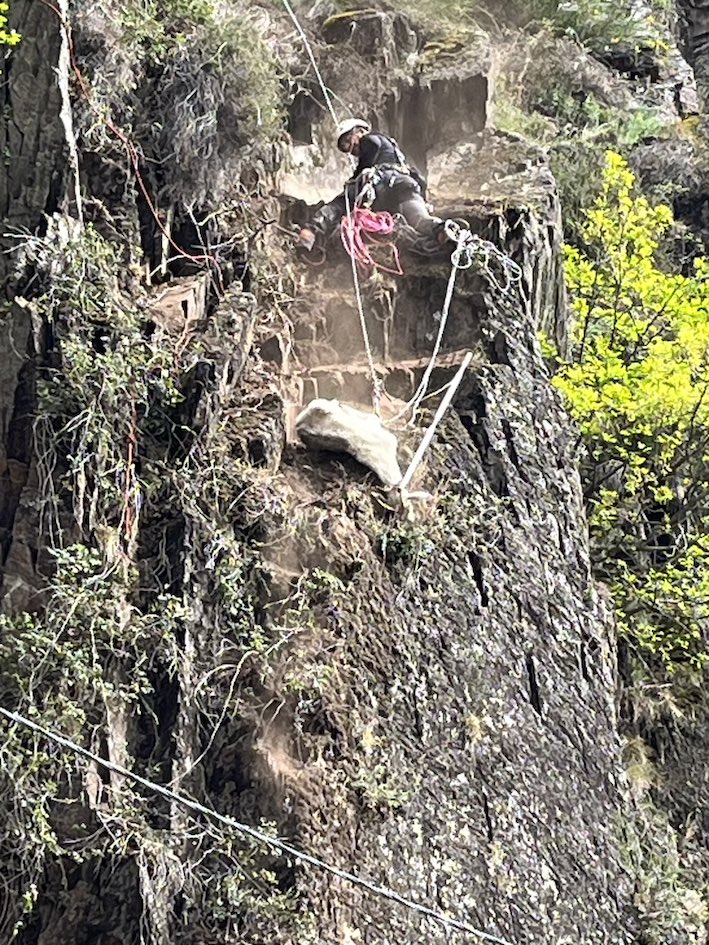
452,387
376,382
301,32
470,249
425,380
473,249
253,832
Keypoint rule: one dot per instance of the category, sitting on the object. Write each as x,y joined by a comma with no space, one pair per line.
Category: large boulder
330,425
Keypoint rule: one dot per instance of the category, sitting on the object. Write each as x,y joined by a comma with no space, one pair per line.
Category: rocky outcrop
32,138
32,184
486,699
694,22
330,425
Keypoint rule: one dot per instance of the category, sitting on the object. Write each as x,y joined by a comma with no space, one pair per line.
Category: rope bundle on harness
359,231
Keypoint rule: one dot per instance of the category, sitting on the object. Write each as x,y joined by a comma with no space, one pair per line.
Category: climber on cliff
382,180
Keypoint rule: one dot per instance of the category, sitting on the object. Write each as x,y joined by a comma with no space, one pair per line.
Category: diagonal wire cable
255,834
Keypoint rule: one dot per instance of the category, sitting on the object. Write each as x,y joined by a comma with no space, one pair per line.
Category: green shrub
162,27
597,24
577,159
638,386
558,96
195,85
670,893
8,37
115,478
190,43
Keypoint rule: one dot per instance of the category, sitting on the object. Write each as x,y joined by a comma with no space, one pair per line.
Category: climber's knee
413,209
416,214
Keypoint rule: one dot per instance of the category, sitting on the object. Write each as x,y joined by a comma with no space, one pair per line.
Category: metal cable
254,833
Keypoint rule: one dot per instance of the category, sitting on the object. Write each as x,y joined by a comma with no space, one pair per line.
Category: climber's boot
309,246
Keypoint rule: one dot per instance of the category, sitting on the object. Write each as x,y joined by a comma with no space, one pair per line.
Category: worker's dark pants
415,212
403,197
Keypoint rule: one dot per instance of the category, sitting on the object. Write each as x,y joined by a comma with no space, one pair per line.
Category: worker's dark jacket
395,179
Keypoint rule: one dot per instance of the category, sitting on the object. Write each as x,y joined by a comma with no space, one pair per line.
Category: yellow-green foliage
637,386
598,24
8,37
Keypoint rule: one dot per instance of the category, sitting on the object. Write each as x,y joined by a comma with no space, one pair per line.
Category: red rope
130,148
360,231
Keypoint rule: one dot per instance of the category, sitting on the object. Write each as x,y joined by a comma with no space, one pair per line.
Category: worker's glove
306,239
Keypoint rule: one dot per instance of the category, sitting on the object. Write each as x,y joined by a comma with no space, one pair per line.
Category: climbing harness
359,231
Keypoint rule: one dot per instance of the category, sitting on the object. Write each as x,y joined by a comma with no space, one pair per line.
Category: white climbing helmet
349,124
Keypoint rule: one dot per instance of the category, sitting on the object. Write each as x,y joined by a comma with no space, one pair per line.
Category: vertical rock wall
460,739
694,24
32,184
421,695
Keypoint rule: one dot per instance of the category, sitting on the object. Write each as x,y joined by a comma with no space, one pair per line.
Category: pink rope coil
361,231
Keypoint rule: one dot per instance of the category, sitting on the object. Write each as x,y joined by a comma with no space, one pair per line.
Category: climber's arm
369,148
330,214
325,222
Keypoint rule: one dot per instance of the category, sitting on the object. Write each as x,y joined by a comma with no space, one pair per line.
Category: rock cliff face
34,141
421,693
694,20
